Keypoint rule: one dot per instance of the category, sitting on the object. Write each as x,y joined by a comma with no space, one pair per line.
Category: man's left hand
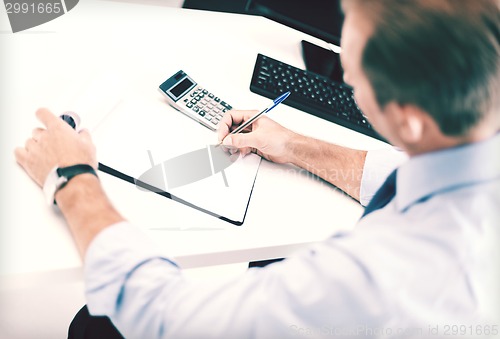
55,145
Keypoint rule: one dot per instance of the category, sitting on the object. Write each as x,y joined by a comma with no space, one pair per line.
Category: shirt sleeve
146,295
378,165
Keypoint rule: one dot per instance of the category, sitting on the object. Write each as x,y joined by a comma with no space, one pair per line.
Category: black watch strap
59,177
72,171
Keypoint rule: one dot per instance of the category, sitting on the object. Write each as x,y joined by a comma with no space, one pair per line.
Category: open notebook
147,142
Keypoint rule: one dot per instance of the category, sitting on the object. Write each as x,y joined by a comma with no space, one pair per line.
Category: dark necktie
384,194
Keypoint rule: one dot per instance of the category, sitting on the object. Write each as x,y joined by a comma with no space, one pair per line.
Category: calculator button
210,95
194,101
205,91
208,117
202,113
197,97
217,99
196,108
189,105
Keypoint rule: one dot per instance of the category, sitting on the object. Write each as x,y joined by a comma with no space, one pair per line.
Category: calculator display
181,87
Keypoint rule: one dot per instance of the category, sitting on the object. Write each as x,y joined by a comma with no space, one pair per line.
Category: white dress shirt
427,264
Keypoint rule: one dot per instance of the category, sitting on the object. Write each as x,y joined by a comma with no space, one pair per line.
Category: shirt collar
431,173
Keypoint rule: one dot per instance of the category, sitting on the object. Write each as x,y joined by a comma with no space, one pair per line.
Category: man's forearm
341,166
86,209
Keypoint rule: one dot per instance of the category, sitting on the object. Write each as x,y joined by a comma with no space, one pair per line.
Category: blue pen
247,123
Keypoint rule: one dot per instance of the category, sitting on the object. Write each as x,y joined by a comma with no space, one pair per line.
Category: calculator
198,103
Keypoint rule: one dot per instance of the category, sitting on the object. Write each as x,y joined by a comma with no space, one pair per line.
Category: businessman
423,259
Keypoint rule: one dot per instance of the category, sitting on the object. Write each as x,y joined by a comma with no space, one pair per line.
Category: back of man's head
440,55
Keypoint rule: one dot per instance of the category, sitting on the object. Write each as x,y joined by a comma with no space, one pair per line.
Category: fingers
30,144
237,117
242,140
37,134
21,155
231,120
85,134
46,117
224,125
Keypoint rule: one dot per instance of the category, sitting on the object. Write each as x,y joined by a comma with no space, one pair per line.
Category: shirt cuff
378,165
111,257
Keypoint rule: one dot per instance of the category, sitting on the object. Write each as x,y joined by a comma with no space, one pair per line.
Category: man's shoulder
477,203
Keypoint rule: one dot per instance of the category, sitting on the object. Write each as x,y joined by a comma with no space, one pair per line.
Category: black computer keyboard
310,92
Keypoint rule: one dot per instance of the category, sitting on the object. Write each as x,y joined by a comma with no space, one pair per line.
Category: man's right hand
264,137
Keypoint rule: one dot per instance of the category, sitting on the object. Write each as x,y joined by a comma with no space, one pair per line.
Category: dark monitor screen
320,18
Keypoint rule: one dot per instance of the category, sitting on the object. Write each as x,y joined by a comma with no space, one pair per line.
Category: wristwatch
58,177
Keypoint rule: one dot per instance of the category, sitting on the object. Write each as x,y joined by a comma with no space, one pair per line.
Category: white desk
99,53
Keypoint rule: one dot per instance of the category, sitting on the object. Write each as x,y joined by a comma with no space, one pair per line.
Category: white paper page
148,140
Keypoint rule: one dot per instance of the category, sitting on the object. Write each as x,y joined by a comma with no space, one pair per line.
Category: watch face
49,186
58,177
60,181
52,183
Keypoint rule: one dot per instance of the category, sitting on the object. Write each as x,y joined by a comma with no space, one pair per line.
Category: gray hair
440,55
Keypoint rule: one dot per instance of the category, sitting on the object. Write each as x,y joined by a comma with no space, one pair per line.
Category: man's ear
410,123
